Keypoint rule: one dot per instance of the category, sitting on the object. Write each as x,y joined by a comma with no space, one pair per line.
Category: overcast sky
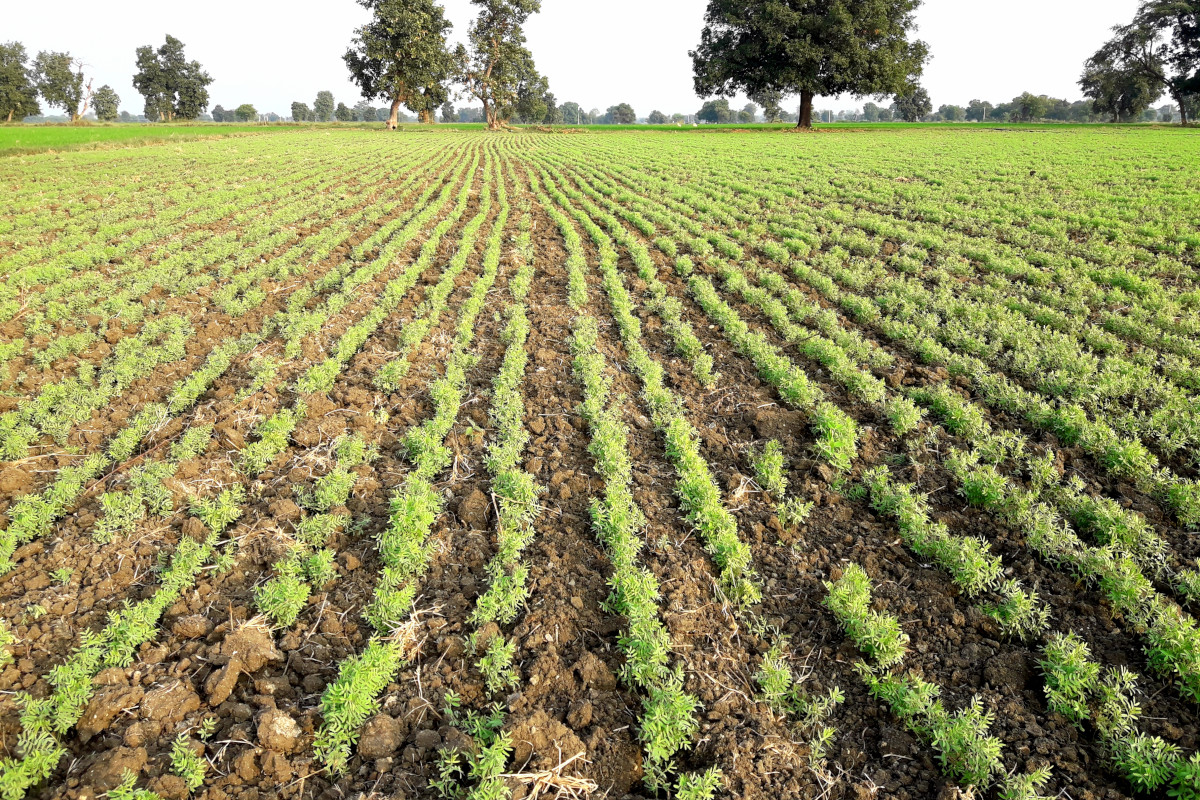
271,52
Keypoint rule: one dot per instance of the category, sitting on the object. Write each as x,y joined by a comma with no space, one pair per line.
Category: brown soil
216,658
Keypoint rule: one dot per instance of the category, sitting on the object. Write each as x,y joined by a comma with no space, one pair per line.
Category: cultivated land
851,464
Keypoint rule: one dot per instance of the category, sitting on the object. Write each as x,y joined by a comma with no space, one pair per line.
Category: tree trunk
489,113
806,101
1183,120
425,117
392,122
10,113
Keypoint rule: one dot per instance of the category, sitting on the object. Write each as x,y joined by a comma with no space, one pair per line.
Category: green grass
26,139
20,139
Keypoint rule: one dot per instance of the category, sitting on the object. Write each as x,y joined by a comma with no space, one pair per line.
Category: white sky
271,52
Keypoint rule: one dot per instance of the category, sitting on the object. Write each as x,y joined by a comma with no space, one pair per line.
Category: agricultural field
26,139
447,464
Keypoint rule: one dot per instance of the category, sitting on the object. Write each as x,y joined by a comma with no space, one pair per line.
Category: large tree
343,113
715,111
554,115
912,104
18,91
106,104
807,47
621,114
1117,88
657,118
1030,107
300,112
1161,47
323,106
59,79
364,111
495,61
572,113
401,56
172,86
533,99
978,110
952,113
246,113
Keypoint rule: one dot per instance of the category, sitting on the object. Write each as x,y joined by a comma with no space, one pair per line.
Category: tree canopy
771,101
572,114
59,80
533,99
1159,50
343,113
807,47
621,114
246,113
301,112
323,106
106,103
401,56
978,110
657,118
715,111
912,104
495,61
18,92
172,86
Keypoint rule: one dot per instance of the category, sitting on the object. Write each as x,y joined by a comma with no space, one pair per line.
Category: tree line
54,78
173,87
764,49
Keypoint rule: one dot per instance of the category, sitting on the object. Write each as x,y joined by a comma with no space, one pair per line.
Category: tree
323,106
364,111
1159,48
572,114
817,47
554,114
401,56
657,118
748,114
1029,107
246,113
300,112
343,113
105,103
59,80
1116,88
952,113
714,111
771,100
171,85
978,110
533,98
913,104
218,113
1166,113
448,112
621,114
18,90
495,61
